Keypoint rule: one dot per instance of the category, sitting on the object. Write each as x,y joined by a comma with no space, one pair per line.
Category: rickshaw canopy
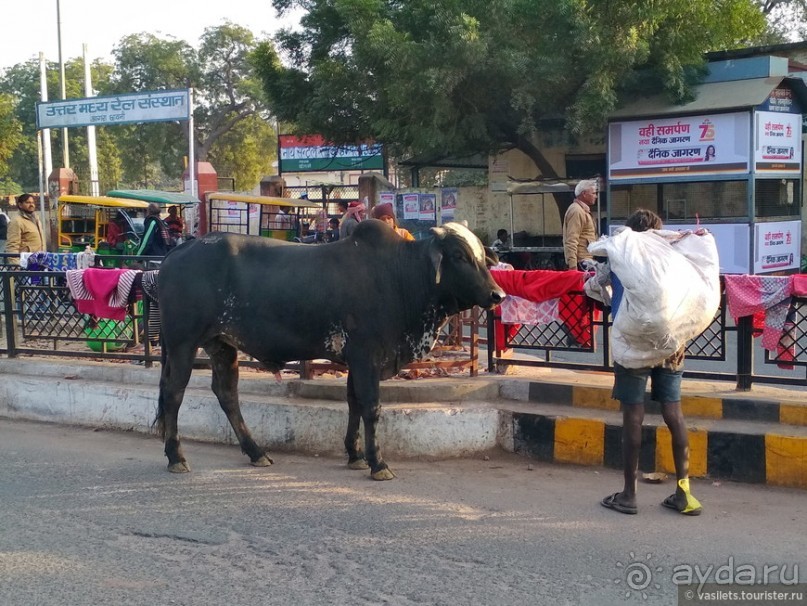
103,201
156,196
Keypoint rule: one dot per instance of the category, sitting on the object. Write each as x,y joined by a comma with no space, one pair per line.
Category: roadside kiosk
84,220
544,250
731,161
268,216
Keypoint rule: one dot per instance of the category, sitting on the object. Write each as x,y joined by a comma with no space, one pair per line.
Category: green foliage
465,76
10,132
227,97
245,152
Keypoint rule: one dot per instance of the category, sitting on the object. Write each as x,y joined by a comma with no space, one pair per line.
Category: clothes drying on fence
103,293
47,261
149,285
769,300
538,286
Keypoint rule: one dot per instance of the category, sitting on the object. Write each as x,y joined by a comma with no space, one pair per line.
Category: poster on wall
411,206
387,197
777,144
777,246
428,207
710,144
448,204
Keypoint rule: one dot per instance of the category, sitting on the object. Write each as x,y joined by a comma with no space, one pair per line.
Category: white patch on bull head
336,340
470,239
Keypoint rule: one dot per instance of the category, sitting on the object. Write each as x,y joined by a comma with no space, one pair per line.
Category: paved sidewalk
552,415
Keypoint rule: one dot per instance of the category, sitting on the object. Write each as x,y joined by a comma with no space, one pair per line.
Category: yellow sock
692,502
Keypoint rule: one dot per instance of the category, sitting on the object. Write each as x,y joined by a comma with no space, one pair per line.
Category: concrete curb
123,397
440,418
698,406
740,451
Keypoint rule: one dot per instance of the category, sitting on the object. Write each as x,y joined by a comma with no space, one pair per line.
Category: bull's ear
436,257
491,258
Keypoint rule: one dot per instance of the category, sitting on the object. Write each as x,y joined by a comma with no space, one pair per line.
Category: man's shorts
630,384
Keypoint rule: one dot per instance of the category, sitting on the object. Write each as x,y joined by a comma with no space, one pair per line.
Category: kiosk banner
777,147
777,246
709,144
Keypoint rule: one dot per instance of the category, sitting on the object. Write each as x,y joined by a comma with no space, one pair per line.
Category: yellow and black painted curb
743,457
740,409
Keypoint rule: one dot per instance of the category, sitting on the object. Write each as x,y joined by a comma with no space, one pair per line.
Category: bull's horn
440,232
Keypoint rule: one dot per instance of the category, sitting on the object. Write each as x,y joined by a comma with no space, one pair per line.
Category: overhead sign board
312,153
149,106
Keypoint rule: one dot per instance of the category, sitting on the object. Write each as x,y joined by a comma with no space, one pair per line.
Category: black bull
372,301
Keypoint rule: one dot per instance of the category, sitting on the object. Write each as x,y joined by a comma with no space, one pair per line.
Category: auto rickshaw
268,216
188,206
85,220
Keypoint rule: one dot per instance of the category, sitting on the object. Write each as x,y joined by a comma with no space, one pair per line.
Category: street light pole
65,144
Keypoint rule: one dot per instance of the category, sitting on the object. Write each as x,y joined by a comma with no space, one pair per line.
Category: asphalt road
93,518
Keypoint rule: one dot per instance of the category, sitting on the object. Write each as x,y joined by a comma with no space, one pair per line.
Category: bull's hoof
181,467
382,474
264,461
358,464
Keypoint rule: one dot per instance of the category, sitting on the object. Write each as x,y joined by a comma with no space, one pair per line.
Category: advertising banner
311,153
777,246
686,145
154,106
777,144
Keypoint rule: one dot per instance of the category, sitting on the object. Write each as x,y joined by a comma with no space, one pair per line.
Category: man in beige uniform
578,225
24,230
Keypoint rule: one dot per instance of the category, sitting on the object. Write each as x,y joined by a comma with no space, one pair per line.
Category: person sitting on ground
629,389
385,213
332,234
502,241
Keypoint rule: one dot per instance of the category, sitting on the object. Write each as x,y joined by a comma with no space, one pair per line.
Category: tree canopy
466,76
231,116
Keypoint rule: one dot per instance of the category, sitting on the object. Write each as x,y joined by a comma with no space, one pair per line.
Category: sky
31,26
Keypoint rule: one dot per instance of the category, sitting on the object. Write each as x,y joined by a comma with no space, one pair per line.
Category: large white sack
672,291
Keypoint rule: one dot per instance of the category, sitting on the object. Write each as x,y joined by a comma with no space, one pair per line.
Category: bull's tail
159,421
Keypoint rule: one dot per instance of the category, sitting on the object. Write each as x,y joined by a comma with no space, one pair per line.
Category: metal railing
40,318
725,351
